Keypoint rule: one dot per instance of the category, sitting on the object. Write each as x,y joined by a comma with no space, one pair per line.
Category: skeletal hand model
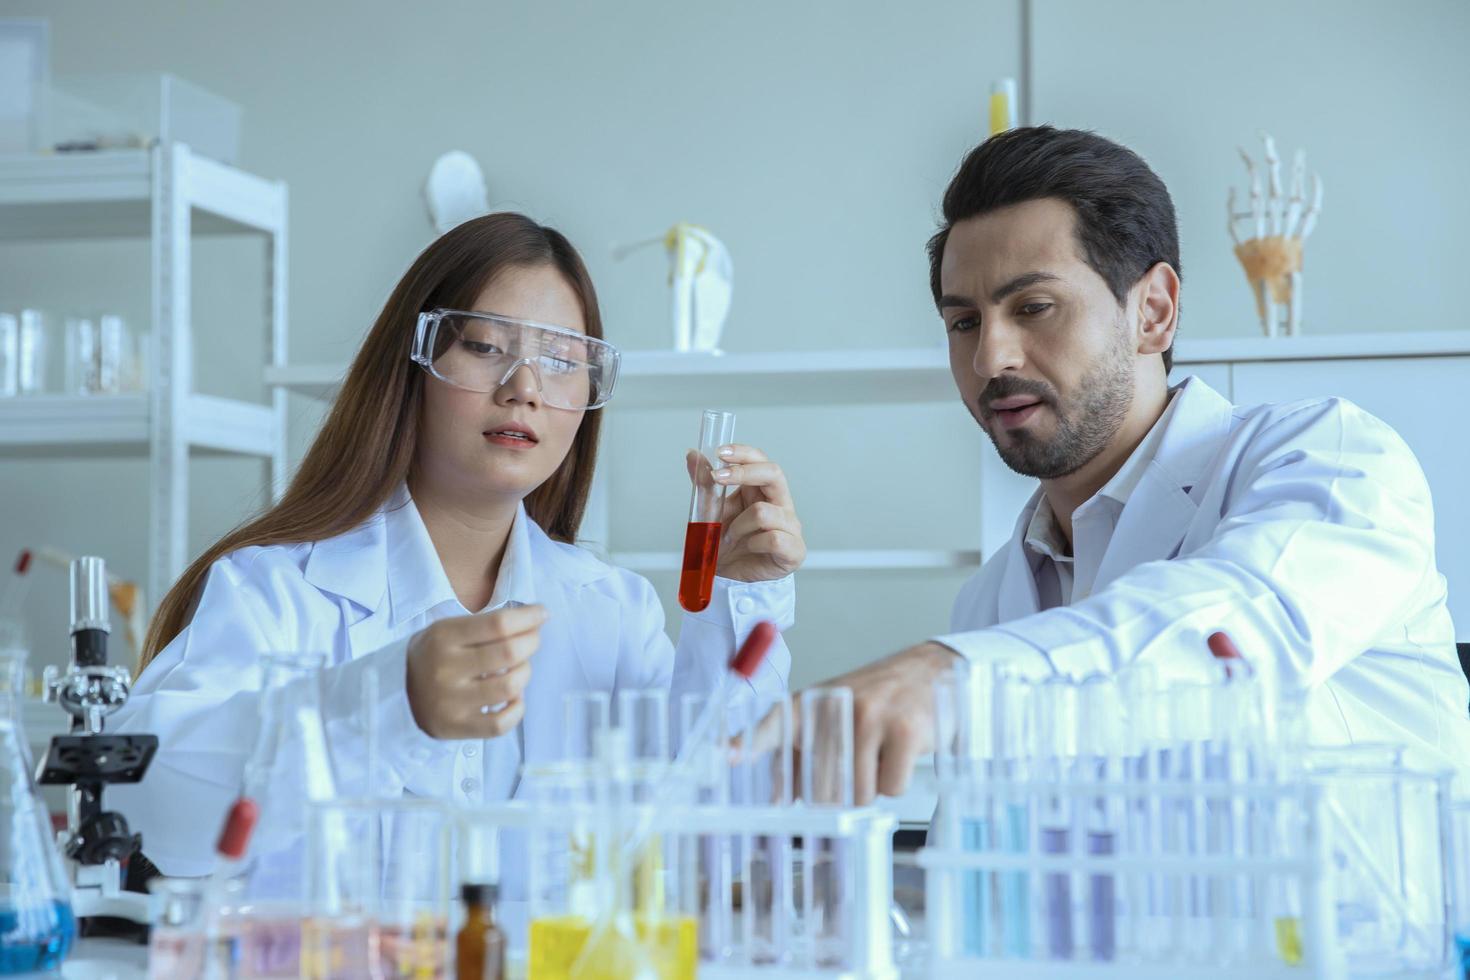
1272,255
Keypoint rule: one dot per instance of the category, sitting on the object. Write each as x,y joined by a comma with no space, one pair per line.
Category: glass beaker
193,933
36,922
706,512
378,883
596,909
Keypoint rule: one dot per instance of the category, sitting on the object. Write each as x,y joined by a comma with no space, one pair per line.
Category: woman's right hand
467,674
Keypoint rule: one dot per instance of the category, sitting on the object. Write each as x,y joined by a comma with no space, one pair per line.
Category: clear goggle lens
481,352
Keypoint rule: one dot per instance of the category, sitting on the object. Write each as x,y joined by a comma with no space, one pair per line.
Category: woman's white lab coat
359,598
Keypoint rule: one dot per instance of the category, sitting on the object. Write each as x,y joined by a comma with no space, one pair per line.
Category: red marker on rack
234,836
1223,648
752,652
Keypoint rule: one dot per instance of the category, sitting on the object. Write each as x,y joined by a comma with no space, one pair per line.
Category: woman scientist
428,537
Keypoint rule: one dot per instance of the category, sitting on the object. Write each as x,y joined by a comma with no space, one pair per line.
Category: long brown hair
365,449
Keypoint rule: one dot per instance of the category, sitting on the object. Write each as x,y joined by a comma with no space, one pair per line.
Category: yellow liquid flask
599,912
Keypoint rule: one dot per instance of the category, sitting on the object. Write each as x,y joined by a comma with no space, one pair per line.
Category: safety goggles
482,351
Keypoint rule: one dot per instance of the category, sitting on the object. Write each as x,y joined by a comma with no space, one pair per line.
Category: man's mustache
1007,387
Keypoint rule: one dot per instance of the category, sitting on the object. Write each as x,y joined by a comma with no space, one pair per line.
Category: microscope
96,841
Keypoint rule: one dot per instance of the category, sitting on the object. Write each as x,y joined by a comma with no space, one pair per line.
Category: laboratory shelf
166,196
670,379
667,379
110,194
54,424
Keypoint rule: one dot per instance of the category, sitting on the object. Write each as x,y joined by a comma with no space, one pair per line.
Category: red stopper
1222,646
23,562
752,652
235,837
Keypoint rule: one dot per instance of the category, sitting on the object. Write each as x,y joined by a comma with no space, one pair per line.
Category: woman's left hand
762,537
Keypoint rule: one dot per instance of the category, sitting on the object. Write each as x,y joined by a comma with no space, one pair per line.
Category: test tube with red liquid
706,503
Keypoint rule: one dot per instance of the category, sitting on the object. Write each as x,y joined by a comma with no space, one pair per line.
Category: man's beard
1086,423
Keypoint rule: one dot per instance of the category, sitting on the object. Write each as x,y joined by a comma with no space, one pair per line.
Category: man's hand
892,714
467,674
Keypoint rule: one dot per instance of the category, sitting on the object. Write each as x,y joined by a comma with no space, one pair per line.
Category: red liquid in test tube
701,555
706,504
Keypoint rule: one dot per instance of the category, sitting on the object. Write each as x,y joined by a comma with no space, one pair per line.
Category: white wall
1374,91
815,138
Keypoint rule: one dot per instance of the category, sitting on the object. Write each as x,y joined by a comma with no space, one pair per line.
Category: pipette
15,591
234,841
744,664
601,946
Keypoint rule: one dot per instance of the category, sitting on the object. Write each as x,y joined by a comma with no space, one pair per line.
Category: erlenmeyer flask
36,922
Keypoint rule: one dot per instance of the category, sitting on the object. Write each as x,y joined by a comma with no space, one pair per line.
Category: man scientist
1164,513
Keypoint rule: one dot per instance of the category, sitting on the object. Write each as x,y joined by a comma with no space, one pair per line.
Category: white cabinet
1427,400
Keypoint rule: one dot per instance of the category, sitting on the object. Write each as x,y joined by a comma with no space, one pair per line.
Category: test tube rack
863,835
1144,879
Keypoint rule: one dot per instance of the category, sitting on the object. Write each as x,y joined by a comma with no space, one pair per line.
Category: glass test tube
772,884
1015,747
706,505
1190,706
1057,731
33,348
961,818
1101,722
826,781
1146,704
644,715
711,856
1460,884
9,355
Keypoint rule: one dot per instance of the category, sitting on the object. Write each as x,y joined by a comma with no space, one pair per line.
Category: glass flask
288,770
37,926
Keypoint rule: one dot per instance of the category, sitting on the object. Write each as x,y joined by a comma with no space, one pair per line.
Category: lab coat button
745,605
469,785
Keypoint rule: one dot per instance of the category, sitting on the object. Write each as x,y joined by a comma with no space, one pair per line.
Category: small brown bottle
480,946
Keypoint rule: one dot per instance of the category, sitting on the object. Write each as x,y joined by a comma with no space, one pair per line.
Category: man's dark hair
1125,218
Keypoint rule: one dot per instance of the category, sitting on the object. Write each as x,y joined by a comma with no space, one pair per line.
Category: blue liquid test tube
1103,746
1057,719
1015,749
964,751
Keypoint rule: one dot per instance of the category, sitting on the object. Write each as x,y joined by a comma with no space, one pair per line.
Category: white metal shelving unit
167,195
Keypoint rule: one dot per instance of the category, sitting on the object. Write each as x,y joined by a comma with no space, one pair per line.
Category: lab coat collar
359,564
1159,507
1162,504
343,565
417,582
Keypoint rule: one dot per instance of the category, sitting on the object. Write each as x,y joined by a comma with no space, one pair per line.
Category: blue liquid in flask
35,937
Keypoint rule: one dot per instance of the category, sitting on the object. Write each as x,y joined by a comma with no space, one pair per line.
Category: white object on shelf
25,75
144,106
164,194
455,191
